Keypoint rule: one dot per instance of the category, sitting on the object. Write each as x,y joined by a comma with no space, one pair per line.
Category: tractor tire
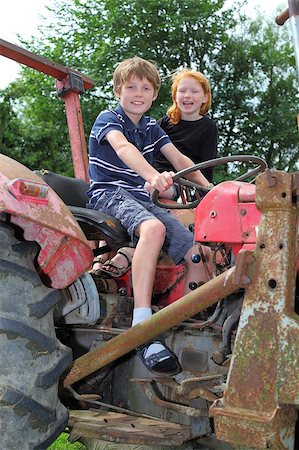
32,358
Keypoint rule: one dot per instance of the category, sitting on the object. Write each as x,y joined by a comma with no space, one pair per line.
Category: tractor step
126,429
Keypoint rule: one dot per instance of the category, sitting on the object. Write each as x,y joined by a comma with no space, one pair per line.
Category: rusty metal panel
65,253
122,428
256,431
263,384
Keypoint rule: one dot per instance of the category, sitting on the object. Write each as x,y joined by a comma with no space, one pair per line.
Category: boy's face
136,97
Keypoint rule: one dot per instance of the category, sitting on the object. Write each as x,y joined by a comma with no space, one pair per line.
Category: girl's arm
180,162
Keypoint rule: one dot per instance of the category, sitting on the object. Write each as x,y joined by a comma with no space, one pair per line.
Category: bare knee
152,230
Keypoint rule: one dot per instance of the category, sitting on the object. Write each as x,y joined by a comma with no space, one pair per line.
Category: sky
23,17
18,17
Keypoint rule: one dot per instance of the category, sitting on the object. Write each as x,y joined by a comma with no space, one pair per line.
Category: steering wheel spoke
179,177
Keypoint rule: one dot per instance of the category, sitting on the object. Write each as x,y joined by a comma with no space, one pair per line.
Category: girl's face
189,97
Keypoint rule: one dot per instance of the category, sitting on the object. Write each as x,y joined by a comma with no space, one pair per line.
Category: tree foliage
257,99
250,64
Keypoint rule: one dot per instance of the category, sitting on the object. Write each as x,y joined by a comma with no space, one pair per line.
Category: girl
187,123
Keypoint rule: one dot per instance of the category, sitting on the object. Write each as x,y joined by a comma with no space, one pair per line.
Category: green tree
255,94
250,65
271,128
96,35
174,33
9,125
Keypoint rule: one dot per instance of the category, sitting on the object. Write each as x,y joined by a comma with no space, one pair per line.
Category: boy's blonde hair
138,67
174,111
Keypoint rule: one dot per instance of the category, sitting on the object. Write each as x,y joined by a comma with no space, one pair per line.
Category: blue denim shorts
131,212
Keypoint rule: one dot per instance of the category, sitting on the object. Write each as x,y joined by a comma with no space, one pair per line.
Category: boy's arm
131,156
180,162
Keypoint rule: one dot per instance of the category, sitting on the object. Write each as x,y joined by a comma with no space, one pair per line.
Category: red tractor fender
228,214
64,251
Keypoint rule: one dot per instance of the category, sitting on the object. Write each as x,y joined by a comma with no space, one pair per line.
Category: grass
62,443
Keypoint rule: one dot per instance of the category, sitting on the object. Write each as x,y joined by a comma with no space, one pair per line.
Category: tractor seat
71,190
96,225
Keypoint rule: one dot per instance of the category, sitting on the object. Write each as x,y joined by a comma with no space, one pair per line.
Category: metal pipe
189,305
39,63
77,136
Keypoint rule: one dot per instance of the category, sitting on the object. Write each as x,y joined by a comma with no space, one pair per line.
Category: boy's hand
161,181
169,193
148,187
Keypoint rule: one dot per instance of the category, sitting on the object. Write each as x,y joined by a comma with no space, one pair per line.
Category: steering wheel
262,166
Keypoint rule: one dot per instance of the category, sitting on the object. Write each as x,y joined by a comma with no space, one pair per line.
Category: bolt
196,258
122,291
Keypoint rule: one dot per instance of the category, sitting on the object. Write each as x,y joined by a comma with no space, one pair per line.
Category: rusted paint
189,305
237,426
198,387
263,373
65,253
121,428
283,17
39,63
76,132
182,409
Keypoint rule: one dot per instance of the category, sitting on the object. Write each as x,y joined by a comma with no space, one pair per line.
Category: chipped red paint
228,214
65,253
76,130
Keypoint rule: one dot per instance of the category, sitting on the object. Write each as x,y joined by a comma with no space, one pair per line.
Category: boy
122,146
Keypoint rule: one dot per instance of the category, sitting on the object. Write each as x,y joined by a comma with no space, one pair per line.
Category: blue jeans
131,212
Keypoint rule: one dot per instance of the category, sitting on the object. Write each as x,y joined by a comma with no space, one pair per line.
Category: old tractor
66,345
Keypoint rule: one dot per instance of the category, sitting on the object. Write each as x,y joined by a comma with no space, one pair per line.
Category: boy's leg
140,222
99,260
151,235
179,244
120,263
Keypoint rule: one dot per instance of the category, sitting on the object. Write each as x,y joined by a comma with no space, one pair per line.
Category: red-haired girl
186,121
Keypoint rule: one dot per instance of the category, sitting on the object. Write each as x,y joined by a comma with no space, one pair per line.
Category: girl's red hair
174,111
